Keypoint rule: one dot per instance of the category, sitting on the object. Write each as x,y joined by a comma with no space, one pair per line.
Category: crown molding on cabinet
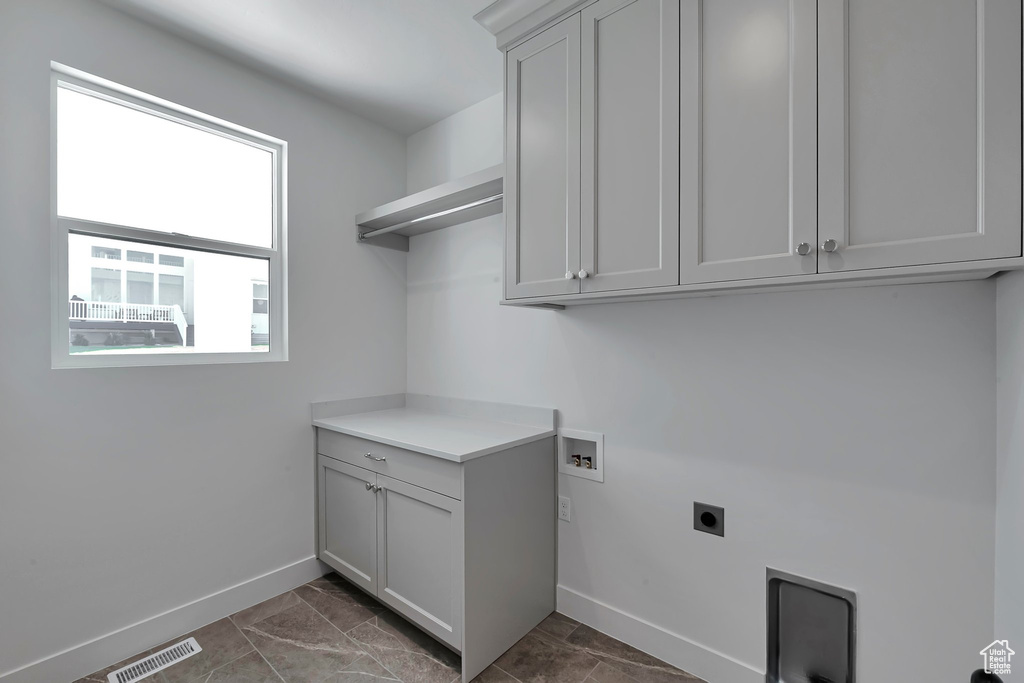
511,20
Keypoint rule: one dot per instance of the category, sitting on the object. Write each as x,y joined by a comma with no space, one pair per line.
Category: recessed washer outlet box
585,447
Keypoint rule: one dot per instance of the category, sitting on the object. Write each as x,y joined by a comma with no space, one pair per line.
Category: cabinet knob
584,275
569,275
803,249
829,246
369,486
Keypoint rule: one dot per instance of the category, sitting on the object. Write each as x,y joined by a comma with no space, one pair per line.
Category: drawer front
426,471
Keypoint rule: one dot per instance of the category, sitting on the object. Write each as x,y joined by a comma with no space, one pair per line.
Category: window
195,207
166,260
172,291
140,288
260,304
106,284
104,252
140,257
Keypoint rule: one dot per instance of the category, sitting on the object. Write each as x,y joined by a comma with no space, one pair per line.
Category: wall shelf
459,201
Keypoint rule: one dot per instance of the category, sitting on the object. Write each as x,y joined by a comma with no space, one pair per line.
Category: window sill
65,361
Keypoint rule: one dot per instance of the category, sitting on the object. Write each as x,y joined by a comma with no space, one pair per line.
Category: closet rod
421,219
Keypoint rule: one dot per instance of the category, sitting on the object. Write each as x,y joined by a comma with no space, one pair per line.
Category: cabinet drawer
426,471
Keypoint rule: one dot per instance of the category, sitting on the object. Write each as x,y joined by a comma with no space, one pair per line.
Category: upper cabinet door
748,134
542,163
920,147
630,145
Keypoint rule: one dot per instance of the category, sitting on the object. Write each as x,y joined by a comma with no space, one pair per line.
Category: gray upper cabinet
542,163
683,146
748,136
919,131
630,145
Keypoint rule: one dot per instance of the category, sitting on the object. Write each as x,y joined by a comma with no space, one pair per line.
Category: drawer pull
380,459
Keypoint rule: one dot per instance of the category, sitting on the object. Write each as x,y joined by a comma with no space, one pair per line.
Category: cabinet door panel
348,521
748,138
542,170
419,545
630,144
920,131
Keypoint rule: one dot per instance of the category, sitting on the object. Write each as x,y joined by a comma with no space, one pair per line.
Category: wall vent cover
155,662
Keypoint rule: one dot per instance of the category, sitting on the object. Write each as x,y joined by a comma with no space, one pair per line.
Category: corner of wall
1009,563
469,140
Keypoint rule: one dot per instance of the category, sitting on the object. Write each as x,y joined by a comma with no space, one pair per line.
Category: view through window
174,245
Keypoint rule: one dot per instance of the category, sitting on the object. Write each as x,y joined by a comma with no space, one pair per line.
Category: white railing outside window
117,312
107,311
180,322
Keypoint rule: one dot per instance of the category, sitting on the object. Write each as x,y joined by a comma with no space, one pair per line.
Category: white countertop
442,435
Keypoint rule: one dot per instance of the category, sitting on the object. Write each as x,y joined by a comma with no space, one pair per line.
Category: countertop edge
323,424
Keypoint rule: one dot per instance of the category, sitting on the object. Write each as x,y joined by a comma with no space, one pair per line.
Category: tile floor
329,631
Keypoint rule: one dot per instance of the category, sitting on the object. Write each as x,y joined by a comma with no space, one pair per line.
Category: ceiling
402,63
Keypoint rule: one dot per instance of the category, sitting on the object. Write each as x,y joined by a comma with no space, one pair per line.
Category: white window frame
62,227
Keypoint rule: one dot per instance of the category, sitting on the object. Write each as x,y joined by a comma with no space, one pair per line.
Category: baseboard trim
93,655
697,659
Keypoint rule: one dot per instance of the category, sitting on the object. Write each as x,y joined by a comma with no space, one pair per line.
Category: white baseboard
712,666
82,660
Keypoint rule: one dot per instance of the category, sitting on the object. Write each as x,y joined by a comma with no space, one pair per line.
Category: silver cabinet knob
569,275
584,275
380,459
829,246
369,486
803,249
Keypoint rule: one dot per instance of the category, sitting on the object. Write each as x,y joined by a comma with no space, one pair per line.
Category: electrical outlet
709,518
563,508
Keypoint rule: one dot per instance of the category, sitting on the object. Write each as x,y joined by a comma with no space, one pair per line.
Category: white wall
127,492
1010,459
463,143
850,435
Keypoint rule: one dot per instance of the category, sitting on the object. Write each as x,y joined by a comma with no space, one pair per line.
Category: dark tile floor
329,631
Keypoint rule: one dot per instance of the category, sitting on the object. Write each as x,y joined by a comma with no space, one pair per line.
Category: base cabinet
419,542
348,521
473,566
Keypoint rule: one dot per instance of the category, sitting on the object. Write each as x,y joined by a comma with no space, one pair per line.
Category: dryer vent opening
812,631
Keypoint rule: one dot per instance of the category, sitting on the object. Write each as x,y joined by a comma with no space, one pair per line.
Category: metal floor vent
155,662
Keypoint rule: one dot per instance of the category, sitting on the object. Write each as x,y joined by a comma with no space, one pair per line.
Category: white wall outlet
563,508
